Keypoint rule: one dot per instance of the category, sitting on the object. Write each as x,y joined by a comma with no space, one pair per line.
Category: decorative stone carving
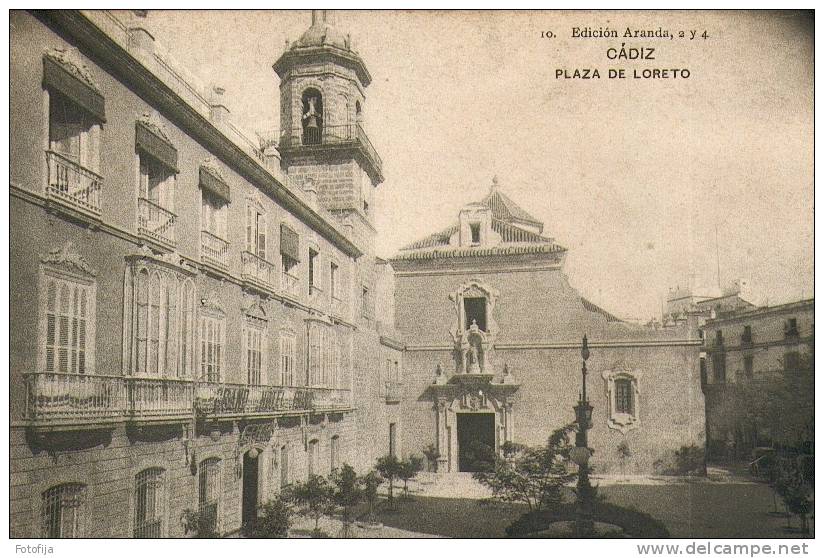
622,421
440,377
473,347
70,60
66,257
151,120
212,302
211,166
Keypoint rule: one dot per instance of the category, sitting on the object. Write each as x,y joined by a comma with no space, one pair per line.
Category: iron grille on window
623,396
148,517
63,510
209,492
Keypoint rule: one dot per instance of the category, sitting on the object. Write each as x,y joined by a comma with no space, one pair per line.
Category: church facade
199,319
493,332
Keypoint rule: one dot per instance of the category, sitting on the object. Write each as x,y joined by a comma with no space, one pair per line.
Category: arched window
209,492
312,117
149,503
63,511
624,396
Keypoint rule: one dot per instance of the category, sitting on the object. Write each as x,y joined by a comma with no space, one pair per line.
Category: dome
323,33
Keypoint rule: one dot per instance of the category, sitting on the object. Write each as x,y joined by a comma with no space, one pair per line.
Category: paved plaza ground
720,506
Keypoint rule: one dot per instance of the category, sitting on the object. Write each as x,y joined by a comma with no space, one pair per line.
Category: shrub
348,492
200,525
532,476
314,497
274,520
371,481
409,469
688,460
635,523
389,467
432,455
624,453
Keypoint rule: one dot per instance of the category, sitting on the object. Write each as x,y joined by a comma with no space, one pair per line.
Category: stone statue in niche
474,355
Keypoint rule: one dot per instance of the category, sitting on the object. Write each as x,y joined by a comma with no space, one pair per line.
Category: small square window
475,229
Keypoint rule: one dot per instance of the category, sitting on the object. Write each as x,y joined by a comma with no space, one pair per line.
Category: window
324,356
156,182
209,492
623,396
475,229
287,359
366,302
719,368
213,214
746,337
334,452
748,367
69,319
284,466
63,511
791,361
73,133
396,377
312,460
211,348
719,338
160,318
333,280
393,447
314,279
255,230
255,343
475,312
791,327
148,518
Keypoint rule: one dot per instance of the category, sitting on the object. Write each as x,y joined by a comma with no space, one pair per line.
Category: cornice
135,75
571,345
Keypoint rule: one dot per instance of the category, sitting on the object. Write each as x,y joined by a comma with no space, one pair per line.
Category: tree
389,468
348,492
409,469
274,520
624,453
371,481
315,498
532,475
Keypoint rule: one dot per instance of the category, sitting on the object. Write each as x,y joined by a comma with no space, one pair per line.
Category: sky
636,177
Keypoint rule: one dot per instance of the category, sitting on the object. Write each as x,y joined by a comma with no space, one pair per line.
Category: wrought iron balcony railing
55,399
289,284
73,184
342,135
155,398
156,223
214,250
257,270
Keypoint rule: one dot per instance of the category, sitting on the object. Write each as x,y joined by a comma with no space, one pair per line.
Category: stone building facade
760,384
193,314
493,335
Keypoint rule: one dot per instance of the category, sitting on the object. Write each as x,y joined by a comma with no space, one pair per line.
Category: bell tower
322,140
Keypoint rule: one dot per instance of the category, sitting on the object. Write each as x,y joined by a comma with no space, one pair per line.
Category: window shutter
289,242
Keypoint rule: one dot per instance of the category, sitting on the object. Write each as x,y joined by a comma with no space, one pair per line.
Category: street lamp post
581,453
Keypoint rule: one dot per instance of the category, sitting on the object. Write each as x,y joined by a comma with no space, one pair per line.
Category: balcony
214,250
394,391
257,271
156,223
152,399
345,135
73,185
289,284
55,399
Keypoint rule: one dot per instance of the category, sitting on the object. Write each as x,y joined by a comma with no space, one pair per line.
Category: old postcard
411,274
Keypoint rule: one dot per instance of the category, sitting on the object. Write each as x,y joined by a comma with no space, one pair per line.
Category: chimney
219,112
